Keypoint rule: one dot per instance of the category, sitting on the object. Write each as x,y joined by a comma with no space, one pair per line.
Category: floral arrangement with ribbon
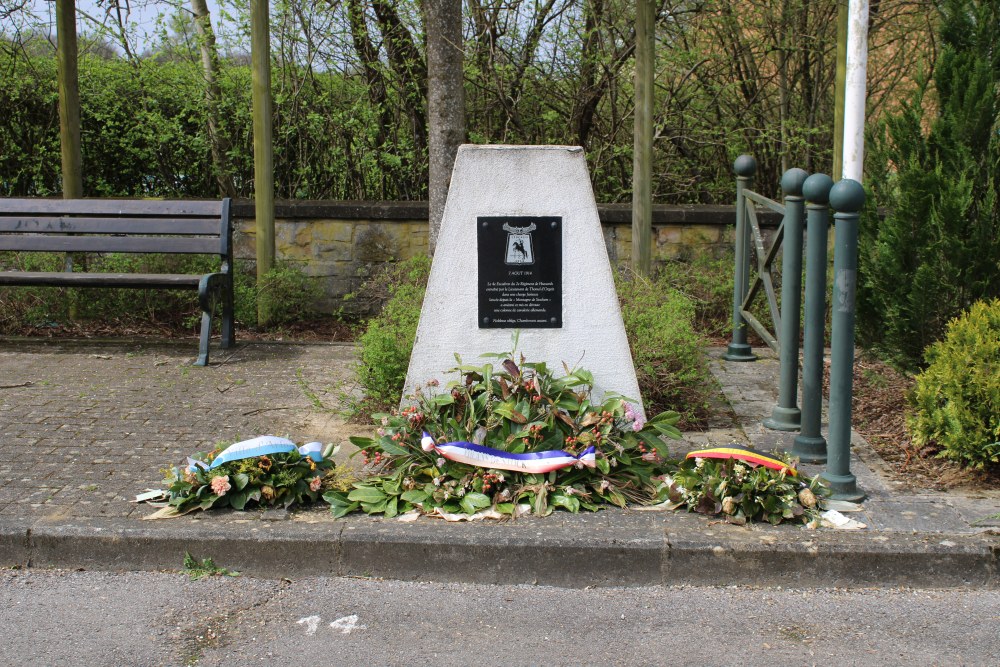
266,471
506,440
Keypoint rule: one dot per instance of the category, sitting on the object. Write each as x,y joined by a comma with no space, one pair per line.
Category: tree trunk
69,101
642,170
445,102
408,64
213,93
263,148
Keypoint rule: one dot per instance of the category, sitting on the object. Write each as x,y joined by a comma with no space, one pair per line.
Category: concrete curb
610,548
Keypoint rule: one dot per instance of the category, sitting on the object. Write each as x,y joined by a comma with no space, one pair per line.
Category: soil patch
880,407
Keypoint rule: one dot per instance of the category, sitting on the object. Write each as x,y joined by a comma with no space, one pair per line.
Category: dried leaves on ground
880,407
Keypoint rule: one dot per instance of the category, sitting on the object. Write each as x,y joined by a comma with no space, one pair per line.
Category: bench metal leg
206,334
228,319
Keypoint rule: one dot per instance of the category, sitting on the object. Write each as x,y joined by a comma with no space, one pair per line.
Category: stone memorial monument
521,248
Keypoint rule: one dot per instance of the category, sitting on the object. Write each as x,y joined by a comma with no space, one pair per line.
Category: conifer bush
957,398
934,170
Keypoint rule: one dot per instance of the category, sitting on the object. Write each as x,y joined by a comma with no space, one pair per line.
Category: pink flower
633,415
220,485
315,483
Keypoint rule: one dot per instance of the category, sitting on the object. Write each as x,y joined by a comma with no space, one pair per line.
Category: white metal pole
855,90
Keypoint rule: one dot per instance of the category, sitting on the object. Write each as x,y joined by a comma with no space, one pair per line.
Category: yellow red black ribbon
743,454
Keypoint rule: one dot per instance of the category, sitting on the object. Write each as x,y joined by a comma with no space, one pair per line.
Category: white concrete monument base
523,181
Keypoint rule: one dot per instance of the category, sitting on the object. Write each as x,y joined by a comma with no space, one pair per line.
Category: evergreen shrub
708,282
935,170
957,398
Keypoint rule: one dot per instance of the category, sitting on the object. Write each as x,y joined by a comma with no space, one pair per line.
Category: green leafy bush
287,295
708,283
387,341
667,350
957,398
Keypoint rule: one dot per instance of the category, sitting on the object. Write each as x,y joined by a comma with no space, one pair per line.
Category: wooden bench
127,226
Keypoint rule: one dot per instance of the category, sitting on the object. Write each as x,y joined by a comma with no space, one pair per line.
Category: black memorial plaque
520,272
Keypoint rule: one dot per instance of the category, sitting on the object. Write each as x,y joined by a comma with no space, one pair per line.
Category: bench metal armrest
211,285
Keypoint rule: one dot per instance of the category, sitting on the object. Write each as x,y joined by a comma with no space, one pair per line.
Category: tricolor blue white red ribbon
259,446
488,457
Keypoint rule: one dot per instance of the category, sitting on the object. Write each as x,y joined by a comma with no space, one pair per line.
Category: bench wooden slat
111,207
128,226
82,279
138,244
68,225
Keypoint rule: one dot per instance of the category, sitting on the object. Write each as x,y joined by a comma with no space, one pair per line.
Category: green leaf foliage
667,350
275,480
385,345
956,400
512,406
935,173
741,493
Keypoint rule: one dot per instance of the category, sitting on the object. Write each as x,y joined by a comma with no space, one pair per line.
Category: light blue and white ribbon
488,457
259,446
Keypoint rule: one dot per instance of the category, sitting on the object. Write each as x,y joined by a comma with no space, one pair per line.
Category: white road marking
312,622
347,624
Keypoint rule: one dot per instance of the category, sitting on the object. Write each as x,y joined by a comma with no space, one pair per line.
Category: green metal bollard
739,350
847,198
810,445
786,415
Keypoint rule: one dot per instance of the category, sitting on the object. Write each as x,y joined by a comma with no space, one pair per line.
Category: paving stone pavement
751,390
86,426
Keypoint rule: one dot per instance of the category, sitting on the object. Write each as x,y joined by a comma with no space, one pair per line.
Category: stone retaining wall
341,242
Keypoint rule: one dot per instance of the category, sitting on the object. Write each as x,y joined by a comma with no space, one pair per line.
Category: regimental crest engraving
519,248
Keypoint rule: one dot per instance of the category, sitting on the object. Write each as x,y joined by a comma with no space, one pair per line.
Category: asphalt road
137,619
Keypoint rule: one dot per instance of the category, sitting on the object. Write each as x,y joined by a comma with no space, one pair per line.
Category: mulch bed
880,407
